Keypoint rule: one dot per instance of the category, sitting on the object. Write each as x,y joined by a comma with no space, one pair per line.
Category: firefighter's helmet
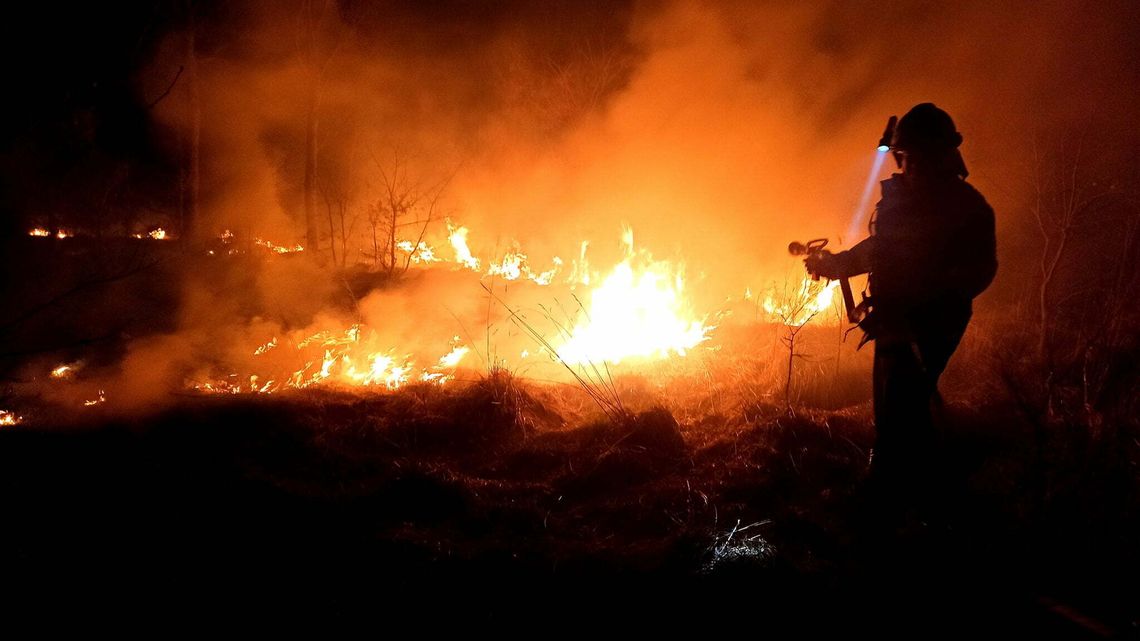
926,128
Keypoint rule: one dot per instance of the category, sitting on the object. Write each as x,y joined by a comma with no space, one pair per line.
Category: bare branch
154,103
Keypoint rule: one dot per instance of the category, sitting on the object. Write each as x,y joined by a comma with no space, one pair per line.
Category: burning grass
723,463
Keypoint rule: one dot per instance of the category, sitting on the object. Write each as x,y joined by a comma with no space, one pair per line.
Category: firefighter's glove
824,263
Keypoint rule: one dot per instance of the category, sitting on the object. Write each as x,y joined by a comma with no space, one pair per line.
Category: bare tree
795,305
1082,306
1064,197
404,203
549,92
318,39
1085,213
190,174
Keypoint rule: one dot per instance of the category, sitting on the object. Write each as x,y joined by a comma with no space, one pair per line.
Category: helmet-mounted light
888,134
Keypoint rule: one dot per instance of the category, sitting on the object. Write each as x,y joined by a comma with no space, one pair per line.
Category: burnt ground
480,506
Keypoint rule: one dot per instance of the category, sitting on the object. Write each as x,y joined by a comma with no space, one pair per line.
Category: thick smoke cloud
719,131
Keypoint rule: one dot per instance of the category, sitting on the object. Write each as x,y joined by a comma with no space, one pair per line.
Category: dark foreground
478,509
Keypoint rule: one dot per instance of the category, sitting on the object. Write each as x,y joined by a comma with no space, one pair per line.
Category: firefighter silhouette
930,252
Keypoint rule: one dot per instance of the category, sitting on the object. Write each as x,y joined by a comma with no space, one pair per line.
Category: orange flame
638,311
457,236
343,358
280,249
419,253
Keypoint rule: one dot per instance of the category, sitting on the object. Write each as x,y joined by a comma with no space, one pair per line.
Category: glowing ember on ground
156,234
8,418
638,311
102,399
39,232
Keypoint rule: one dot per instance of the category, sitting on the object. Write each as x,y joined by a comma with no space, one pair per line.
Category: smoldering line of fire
636,310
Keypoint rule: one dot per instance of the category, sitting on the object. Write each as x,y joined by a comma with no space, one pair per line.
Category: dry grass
708,475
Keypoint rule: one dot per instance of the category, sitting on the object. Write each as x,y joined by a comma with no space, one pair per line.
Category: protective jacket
930,252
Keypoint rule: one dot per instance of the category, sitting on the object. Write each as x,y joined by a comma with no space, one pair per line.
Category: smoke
740,125
717,131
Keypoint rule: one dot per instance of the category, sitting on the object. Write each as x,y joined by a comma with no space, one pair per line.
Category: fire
581,273
154,234
638,311
457,236
280,249
514,265
39,232
419,252
798,306
9,418
101,399
382,369
452,358
510,268
63,371
63,233
336,358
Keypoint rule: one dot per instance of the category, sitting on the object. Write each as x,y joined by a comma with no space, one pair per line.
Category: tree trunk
343,234
791,359
332,228
191,223
392,241
311,232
